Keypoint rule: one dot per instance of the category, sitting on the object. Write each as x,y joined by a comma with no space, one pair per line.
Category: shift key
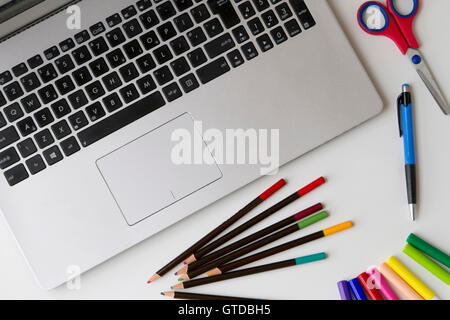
213,70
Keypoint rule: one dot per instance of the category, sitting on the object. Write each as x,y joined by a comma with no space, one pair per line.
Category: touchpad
154,171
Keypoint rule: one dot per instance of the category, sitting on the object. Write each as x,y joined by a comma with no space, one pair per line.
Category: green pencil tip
171,288
180,279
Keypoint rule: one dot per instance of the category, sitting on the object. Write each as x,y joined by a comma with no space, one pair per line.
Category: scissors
398,27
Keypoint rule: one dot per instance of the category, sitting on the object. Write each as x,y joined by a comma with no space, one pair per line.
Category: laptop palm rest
144,176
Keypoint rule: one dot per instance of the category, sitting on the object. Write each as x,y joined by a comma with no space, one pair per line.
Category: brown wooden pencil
198,296
250,271
235,232
253,237
255,245
214,233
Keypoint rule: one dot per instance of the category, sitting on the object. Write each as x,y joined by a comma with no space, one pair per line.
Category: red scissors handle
405,22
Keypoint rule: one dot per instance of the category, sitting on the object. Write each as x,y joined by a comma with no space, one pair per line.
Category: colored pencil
282,247
256,245
429,249
250,271
198,296
369,287
253,237
235,232
214,233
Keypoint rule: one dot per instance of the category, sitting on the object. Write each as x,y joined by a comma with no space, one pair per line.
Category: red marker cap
308,211
277,186
369,286
310,187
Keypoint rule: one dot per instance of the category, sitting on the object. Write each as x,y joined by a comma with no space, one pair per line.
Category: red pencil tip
149,281
184,262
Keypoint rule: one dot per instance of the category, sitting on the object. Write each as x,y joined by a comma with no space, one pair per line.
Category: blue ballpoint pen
406,126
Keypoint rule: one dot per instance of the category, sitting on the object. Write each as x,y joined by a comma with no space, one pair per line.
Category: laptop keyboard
123,68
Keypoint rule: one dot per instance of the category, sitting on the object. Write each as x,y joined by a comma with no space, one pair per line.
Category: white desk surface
366,184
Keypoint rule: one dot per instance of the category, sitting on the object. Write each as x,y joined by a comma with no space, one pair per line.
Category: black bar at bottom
121,119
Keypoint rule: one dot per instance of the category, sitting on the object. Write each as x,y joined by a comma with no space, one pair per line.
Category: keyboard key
261,5
64,64
26,148
247,9
133,49
13,112
172,92
112,102
99,67
219,45
303,13
13,91
26,126
44,117
31,103
82,37
8,136
113,20
95,111
129,93
183,22
163,75
240,34
166,31
16,175
5,77
2,121
112,81
48,94
51,53
255,26
129,12
53,155
213,70
200,13
2,99
197,57
129,72
196,36
47,73
226,12
213,27
132,28
61,108
8,157
179,45
82,76
78,120
274,1
144,4
180,66
115,37
30,82
166,10
61,129
97,28
20,69
81,55
95,90
189,83
149,19
150,40
278,35
67,44
116,58
283,11
35,164
78,99
292,27
44,138
183,4
235,58
269,18
70,146
162,54
98,46
146,84
264,42
35,61
121,119
249,51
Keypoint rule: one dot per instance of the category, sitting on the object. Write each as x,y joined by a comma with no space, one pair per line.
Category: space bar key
121,119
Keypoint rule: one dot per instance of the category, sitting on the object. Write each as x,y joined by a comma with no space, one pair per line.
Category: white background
366,184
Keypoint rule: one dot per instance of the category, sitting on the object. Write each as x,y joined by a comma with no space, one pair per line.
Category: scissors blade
426,76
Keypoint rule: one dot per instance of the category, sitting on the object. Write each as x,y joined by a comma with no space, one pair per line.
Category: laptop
95,96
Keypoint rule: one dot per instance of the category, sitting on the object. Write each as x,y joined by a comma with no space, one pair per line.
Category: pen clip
399,114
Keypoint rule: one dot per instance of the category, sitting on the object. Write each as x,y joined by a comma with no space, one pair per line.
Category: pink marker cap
382,285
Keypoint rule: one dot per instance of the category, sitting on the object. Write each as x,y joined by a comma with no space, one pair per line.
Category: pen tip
412,209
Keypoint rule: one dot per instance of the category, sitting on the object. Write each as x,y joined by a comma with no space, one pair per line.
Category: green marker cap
429,250
311,258
311,220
